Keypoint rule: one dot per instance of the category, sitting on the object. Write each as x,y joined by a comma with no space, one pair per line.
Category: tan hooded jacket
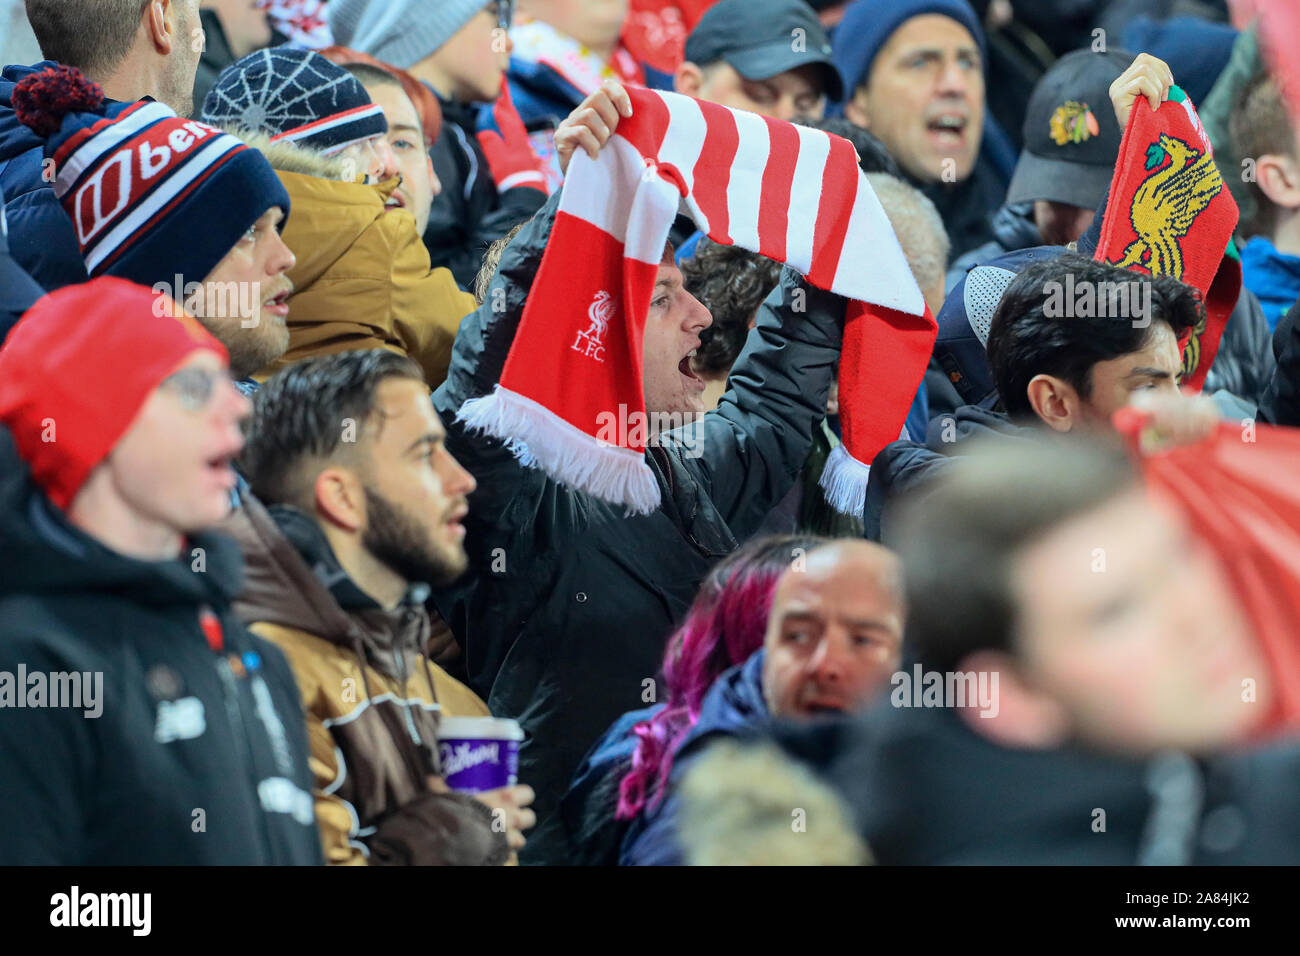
363,278
372,705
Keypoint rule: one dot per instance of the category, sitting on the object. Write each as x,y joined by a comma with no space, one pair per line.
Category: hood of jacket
1014,229
15,138
328,218
329,213
734,705
294,580
968,422
288,157
45,554
464,115
42,238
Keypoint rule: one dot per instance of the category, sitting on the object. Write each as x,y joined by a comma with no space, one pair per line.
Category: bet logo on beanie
151,195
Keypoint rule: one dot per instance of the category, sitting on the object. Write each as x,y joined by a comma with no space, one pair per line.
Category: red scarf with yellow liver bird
1170,214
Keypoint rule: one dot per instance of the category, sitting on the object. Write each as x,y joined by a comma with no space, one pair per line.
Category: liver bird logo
1192,350
1167,203
599,313
591,341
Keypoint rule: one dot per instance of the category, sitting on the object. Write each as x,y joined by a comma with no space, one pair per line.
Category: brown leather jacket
372,702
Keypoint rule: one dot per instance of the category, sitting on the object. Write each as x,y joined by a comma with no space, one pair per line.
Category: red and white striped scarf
790,193
305,23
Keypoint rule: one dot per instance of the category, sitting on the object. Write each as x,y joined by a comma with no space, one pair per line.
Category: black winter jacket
967,207
195,757
216,57
1281,402
926,790
469,214
1013,228
1244,363
903,466
564,614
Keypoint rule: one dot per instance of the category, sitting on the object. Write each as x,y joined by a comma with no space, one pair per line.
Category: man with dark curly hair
732,283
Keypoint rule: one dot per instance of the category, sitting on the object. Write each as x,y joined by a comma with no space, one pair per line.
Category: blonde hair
918,226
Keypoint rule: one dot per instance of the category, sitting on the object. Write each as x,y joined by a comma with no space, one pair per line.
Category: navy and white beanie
151,196
294,96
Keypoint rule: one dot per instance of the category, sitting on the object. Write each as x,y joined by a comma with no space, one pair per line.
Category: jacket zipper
239,730
400,659
400,655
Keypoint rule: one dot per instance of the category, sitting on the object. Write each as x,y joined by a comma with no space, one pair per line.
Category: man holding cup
358,510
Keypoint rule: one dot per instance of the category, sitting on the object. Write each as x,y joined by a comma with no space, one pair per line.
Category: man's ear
855,110
688,79
340,499
1018,716
1055,401
160,23
1278,178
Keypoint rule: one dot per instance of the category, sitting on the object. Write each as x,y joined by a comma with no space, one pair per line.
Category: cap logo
128,171
103,196
127,190
1073,123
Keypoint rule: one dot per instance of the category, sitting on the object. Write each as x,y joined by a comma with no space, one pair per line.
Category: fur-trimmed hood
750,805
286,157
362,279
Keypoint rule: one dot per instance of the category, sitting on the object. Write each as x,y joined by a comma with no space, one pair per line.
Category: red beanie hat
78,366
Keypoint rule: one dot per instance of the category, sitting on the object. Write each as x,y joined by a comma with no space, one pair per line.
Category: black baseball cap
759,39
1071,135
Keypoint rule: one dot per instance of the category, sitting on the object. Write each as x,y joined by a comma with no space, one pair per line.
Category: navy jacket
734,706
42,239
588,808
903,466
18,292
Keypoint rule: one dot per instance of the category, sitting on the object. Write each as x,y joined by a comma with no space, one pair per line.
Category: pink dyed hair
723,627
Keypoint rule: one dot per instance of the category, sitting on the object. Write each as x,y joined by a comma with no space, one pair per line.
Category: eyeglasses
505,11
195,386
